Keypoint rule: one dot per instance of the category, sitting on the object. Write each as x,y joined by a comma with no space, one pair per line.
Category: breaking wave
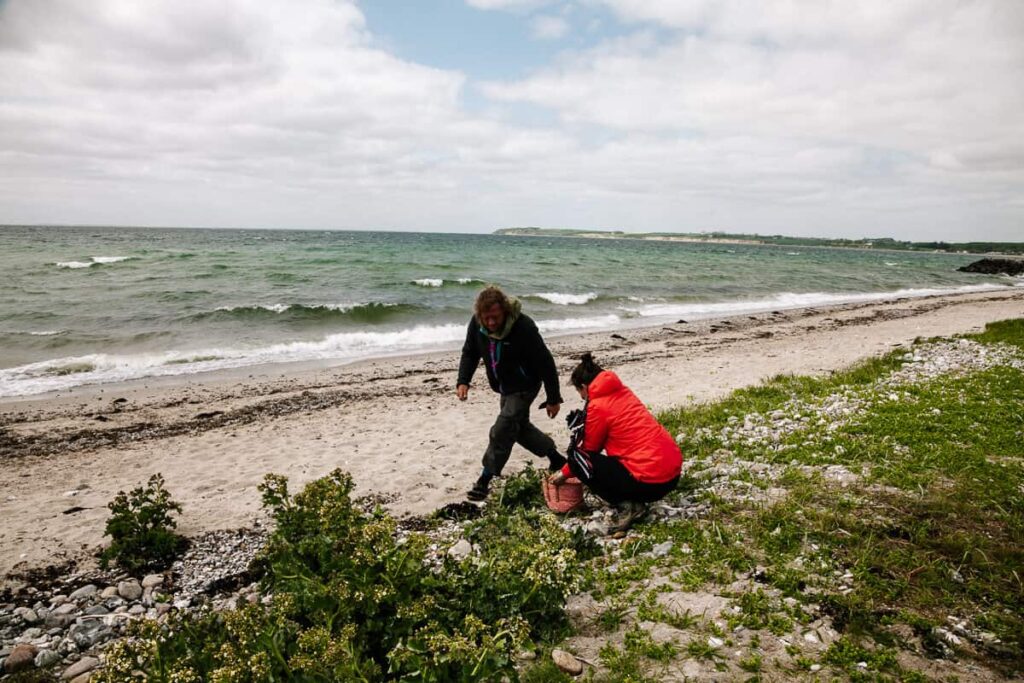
565,299
360,312
93,261
440,282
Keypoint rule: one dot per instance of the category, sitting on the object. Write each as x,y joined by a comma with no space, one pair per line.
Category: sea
87,305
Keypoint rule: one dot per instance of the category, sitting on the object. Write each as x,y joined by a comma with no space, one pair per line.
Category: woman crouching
623,454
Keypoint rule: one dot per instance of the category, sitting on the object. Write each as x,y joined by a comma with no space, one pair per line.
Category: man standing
517,363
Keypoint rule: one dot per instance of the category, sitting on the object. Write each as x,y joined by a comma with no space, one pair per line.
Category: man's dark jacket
523,359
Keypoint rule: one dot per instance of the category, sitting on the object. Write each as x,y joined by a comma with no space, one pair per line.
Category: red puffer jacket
618,423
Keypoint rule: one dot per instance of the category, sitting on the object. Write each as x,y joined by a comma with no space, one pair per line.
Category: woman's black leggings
609,479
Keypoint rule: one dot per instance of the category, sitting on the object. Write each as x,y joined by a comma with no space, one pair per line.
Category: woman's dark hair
586,371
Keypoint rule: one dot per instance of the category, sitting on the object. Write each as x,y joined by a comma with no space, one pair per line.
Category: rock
66,608
662,549
84,678
153,580
47,658
815,668
129,590
83,665
89,633
29,616
566,662
461,550
995,266
83,592
715,642
22,657
109,592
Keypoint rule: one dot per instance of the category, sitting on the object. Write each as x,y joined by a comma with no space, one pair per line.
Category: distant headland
778,240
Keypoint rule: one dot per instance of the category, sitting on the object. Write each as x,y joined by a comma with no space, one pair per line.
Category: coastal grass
861,526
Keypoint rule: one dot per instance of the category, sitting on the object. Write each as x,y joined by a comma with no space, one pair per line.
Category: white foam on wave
37,378
439,282
282,308
595,323
566,299
52,375
789,300
93,261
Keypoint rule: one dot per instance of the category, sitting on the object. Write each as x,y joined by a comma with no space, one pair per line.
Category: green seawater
138,302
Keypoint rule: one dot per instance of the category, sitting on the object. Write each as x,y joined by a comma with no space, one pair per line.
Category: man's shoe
628,513
480,489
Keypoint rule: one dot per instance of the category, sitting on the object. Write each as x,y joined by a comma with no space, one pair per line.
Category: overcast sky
900,118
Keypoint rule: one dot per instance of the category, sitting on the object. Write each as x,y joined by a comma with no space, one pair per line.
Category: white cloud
508,4
899,118
923,95
549,27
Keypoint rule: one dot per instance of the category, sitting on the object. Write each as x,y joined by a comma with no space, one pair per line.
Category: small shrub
141,528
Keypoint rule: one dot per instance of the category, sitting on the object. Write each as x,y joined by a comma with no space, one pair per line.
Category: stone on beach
22,657
566,662
83,665
129,590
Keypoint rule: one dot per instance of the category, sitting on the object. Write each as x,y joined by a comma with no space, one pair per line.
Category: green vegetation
352,601
141,528
781,240
866,525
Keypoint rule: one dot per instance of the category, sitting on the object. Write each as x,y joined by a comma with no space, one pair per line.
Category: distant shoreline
1008,249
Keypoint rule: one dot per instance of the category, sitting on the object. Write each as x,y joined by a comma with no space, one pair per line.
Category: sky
899,118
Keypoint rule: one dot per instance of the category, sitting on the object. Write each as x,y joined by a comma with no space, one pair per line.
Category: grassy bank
868,525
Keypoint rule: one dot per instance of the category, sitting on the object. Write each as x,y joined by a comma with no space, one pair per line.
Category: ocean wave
93,261
363,312
64,373
565,299
789,300
601,322
441,282
39,333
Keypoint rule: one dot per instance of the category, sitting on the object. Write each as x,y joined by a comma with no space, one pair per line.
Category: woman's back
620,424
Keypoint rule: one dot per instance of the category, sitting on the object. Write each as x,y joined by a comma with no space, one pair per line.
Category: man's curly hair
488,297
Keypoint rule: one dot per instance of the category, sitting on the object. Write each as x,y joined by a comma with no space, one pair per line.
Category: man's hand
557,479
462,391
552,409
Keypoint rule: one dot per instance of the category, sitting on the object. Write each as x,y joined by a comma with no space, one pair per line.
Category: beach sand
395,424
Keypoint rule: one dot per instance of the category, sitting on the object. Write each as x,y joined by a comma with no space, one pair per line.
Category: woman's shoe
628,512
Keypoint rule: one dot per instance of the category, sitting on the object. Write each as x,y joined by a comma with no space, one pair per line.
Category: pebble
662,549
80,667
566,662
129,590
29,616
83,592
47,658
153,580
22,657
461,550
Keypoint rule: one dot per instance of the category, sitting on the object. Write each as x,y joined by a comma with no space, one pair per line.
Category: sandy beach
395,423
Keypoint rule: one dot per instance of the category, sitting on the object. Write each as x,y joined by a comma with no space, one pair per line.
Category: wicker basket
564,497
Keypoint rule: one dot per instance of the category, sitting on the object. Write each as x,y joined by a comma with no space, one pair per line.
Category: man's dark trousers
513,426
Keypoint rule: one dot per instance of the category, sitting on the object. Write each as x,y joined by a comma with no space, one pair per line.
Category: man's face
494,318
